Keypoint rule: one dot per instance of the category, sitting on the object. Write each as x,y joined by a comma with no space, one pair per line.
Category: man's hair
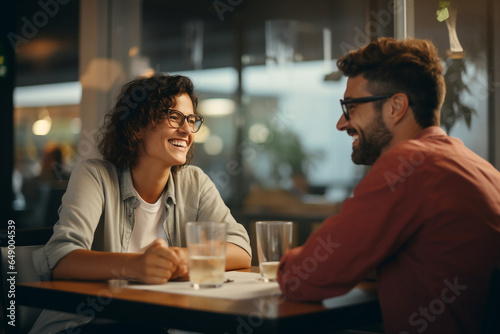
141,102
410,66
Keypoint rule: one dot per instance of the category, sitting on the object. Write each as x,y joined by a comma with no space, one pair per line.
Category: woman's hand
183,268
158,263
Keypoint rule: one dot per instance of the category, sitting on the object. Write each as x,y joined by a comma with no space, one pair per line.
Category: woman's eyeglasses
176,119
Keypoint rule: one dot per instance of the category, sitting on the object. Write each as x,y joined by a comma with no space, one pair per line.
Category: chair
492,312
28,236
25,316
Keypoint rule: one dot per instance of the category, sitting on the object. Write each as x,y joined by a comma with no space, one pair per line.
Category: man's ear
399,107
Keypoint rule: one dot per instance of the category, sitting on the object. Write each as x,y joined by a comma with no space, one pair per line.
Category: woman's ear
140,133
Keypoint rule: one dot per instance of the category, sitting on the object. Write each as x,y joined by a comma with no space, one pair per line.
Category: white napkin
244,285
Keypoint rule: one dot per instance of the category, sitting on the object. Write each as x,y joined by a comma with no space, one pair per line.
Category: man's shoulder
442,156
430,145
404,164
414,151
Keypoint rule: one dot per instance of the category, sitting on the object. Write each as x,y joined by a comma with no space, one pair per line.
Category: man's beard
371,142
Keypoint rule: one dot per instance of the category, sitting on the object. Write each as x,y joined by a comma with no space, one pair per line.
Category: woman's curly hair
139,104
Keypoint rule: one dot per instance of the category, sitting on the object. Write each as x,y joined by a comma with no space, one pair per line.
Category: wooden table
272,314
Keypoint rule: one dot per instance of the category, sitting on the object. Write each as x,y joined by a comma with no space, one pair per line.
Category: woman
124,216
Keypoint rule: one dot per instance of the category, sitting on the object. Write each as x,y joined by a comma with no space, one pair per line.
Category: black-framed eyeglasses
176,119
344,103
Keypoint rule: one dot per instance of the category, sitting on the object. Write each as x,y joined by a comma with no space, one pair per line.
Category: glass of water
206,243
274,238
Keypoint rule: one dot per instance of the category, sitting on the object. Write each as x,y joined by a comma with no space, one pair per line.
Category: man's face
366,125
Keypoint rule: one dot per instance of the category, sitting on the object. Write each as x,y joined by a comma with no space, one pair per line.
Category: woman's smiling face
164,144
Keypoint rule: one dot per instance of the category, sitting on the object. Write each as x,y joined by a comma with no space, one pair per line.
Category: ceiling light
214,145
258,133
202,135
216,107
42,126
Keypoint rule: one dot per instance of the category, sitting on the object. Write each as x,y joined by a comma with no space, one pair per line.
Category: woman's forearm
236,257
91,265
156,265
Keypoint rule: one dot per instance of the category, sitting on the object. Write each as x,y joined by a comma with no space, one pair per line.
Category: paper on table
244,286
355,296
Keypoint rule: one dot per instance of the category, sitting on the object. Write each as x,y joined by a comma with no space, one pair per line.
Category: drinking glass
273,240
206,243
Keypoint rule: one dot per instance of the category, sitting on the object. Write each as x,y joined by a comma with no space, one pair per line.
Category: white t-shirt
148,224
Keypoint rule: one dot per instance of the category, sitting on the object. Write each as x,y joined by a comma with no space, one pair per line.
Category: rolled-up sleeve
79,215
213,208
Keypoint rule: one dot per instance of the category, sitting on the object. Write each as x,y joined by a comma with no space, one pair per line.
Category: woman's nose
185,127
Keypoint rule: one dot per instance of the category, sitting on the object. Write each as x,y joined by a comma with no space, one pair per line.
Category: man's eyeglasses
176,119
344,103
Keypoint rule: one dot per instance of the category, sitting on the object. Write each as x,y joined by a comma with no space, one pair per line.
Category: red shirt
426,217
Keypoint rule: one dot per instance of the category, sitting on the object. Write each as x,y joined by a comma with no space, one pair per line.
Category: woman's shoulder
190,174
97,167
99,164
190,170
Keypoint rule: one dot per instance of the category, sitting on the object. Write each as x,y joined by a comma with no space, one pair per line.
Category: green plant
454,109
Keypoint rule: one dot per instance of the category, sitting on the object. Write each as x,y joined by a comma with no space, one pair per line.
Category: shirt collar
170,188
127,187
430,131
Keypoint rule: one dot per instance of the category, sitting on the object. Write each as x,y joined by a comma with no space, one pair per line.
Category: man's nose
343,123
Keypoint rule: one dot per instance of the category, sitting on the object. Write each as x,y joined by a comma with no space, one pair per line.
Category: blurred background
266,79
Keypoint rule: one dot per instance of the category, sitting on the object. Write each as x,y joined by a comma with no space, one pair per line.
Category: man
426,216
